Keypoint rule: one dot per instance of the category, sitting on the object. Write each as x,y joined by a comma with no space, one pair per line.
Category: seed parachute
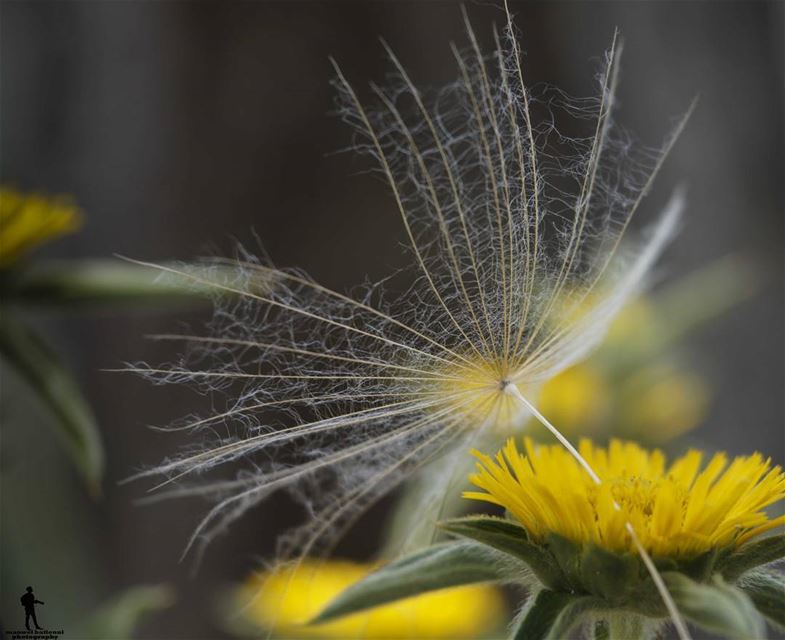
515,228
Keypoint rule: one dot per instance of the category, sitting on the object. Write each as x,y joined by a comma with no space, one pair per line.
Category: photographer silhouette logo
28,602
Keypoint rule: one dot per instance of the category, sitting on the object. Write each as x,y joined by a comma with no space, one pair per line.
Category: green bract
726,592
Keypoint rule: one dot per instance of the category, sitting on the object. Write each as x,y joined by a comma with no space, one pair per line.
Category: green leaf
751,555
100,282
511,539
554,614
39,366
437,567
118,618
766,589
717,607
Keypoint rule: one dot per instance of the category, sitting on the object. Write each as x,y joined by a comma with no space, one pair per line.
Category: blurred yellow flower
665,405
637,317
29,220
613,393
678,511
577,399
284,600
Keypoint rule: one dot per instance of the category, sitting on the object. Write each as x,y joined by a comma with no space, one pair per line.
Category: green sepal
751,555
39,366
645,599
716,606
511,539
766,589
437,567
662,564
568,557
700,568
607,574
553,614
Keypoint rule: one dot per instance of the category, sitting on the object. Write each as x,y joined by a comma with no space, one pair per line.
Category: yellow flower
636,318
655,404
29,220
662,405
286,599
609,394
578,399
677,510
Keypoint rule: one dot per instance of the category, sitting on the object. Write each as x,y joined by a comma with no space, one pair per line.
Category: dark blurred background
183,127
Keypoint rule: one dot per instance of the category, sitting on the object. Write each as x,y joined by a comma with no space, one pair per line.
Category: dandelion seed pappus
516,233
